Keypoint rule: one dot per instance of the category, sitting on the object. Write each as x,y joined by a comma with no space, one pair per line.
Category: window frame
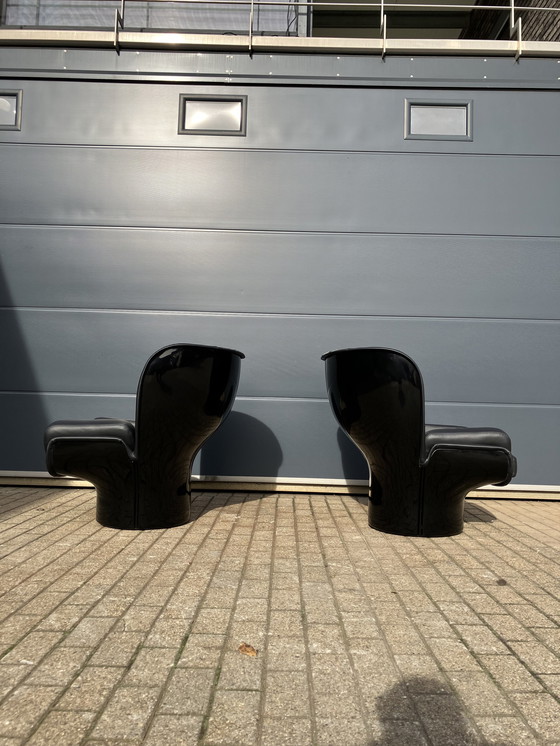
18,95
466,104
184,98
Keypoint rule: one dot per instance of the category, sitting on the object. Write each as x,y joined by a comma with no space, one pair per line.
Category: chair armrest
455,435
479,464
87,457
103,427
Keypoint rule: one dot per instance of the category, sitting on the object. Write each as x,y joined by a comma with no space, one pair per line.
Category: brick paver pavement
362,639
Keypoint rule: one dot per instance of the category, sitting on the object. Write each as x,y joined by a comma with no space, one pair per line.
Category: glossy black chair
141,470
419,474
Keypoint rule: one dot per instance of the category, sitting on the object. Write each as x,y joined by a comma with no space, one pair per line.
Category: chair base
429,535
121,508
133,527
447,522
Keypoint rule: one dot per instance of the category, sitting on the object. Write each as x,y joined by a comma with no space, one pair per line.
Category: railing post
119,23
251,15
515,30
383,29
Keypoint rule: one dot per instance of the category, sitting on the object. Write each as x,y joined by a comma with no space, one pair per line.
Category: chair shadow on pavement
477,514
421,710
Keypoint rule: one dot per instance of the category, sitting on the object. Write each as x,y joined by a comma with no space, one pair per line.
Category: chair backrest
183,394
377,396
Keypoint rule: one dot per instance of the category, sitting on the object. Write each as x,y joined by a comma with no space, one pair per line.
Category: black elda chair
141,470
419,474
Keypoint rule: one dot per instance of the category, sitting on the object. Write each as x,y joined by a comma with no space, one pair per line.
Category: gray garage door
423,219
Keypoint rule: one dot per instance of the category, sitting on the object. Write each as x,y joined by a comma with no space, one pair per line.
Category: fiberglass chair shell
141,470
419,474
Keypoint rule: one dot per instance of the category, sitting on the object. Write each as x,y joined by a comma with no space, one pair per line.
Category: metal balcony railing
305,25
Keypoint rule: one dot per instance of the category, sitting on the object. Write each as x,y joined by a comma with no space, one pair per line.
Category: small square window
10,110
435,120
207,115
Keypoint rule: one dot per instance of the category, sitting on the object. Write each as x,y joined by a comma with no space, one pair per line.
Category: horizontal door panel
410,193
287,439
307,273
280,117
461,360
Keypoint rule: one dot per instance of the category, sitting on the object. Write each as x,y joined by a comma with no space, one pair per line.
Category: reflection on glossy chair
419,474
141,470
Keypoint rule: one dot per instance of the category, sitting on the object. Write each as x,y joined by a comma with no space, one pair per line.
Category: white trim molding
171,41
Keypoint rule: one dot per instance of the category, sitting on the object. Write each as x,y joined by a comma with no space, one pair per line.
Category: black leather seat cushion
465,436
100,428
